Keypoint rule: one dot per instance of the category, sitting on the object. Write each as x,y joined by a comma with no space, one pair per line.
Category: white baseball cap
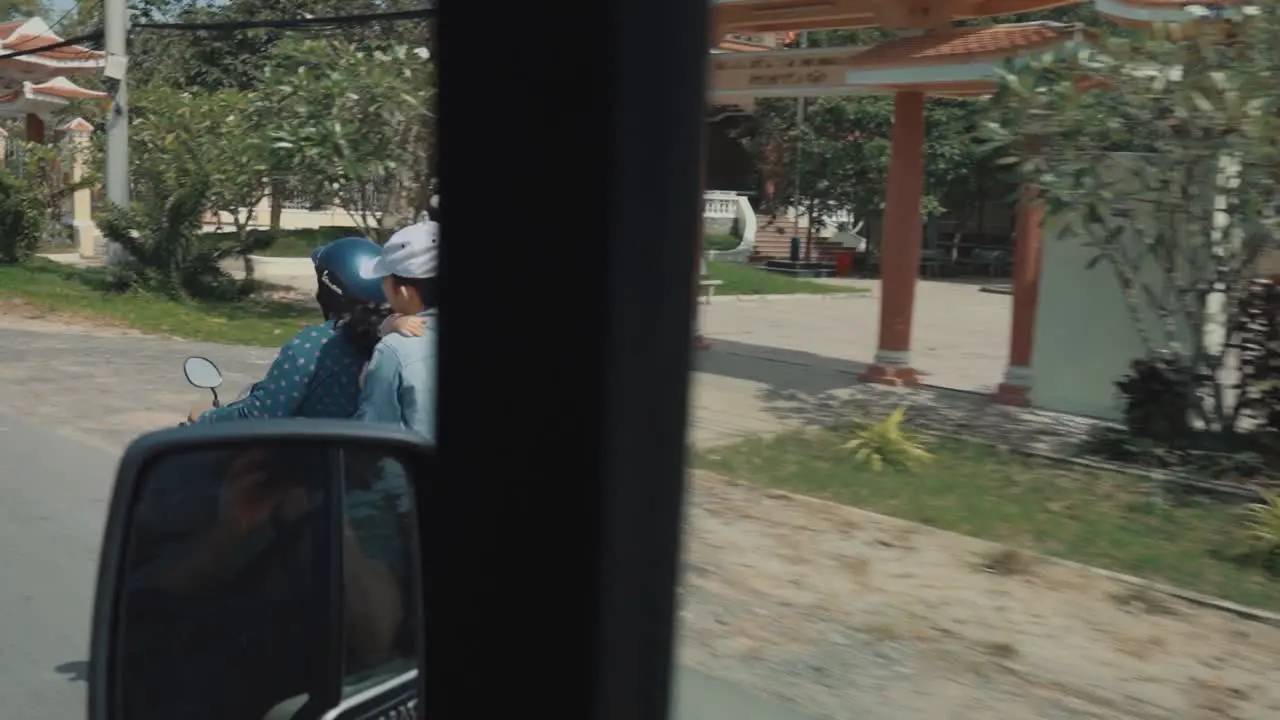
412,252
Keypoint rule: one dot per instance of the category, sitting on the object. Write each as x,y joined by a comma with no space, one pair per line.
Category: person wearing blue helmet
317,373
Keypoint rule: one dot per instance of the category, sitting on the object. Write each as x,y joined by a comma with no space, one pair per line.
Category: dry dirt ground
854,615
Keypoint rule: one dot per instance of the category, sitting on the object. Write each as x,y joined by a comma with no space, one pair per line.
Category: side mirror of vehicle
202,373
261,570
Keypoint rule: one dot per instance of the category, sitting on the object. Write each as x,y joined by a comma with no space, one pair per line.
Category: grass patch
67,291
721,242
1104,519
740,279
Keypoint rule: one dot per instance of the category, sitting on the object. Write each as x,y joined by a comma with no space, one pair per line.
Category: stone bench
707,289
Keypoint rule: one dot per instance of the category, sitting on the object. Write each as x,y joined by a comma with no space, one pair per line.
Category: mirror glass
237,564
202,373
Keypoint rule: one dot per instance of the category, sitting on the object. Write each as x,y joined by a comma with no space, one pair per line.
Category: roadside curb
1244,612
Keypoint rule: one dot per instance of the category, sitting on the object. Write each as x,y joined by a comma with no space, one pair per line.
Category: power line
92,37
292,23
310,23
66,14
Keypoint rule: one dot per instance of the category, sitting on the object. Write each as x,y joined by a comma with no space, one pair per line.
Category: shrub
1158,396
1263,523
720,242
886,443
167,252
1257,337
23,219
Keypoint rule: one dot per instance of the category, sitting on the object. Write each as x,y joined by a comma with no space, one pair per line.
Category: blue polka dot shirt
316,375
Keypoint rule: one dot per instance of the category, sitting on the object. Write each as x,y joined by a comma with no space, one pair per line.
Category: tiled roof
69,52
33,33
1174,4
8,28
788,15
954,45
77,125
61,88
741,46
64,88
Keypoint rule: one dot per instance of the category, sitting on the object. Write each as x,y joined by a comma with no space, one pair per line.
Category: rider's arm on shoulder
380,397
280,393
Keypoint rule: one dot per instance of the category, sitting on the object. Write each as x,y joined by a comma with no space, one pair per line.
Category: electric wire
65,14
310,23
290,23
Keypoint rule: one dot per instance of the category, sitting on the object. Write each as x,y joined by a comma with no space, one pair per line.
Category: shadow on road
75,671
776,367
812,390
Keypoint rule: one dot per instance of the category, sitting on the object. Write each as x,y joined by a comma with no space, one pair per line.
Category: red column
35,128
1016,388
900,244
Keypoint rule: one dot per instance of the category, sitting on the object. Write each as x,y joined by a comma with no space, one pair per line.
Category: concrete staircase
773,240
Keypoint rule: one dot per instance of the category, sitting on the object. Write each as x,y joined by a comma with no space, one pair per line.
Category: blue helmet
345,267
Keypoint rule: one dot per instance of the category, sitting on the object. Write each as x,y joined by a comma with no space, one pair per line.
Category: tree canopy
1159,153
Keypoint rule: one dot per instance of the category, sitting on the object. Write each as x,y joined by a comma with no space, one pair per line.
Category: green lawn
1099,518
62,290
742,279
721,242
66,291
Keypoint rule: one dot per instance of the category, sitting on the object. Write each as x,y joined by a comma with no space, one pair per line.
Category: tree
18,9
354,124
235,154
833,162
33,192
238,59
191,154
839,155
1181,224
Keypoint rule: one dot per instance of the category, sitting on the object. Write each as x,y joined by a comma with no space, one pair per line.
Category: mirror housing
316,490
202,373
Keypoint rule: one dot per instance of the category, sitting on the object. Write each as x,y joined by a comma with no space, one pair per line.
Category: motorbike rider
316,374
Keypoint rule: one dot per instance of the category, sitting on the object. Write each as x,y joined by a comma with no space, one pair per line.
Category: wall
1085,337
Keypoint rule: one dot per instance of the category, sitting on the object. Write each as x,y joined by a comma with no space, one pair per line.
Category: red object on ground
844,263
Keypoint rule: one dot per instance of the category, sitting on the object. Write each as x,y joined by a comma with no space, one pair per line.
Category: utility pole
800,108
115,28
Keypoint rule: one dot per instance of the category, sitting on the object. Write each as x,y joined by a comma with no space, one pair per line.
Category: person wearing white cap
400,380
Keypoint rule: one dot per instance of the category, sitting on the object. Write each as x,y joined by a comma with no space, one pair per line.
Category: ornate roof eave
76,125
35,33
1133,13
754,16
733,45
946,63
47,97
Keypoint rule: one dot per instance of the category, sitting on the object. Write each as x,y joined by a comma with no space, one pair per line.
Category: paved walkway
960,336
793,362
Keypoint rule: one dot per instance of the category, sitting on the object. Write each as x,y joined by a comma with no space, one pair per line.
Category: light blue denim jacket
400,384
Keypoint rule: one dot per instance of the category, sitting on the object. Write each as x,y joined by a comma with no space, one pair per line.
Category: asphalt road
69,403
51,515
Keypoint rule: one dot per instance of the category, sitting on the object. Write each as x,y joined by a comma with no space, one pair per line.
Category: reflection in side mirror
202,373
231,553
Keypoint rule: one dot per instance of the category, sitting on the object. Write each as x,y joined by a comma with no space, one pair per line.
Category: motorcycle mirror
202,373
222,583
